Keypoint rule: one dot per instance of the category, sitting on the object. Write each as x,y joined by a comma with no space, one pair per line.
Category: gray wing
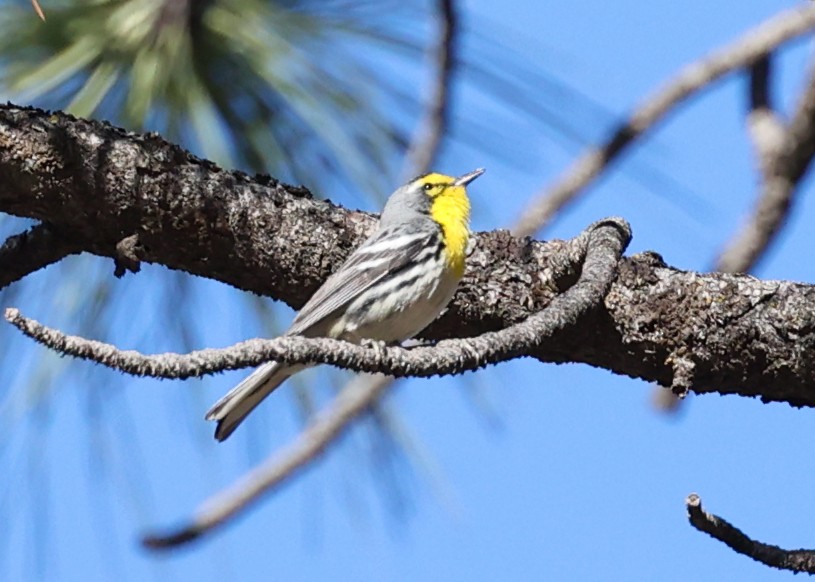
386,251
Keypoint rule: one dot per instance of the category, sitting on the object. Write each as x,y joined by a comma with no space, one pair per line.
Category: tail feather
230,410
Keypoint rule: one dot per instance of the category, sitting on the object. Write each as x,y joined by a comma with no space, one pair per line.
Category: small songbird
390,288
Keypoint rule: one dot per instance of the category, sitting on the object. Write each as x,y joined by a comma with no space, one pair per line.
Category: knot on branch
129,252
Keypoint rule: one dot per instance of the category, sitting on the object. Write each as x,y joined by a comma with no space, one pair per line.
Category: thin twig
285,464
426,142
30,251
38,9
600,247
601,244
773,556
765,126
785,154
699,75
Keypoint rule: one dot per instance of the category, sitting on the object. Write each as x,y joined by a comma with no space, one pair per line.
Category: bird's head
442,197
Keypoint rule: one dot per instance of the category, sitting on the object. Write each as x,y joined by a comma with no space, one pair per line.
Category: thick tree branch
773,556
753,45
30,251
714,333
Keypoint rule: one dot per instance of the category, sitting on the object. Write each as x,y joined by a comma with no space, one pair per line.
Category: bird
389,289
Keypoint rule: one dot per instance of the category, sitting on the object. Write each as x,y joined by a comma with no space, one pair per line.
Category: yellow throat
451,209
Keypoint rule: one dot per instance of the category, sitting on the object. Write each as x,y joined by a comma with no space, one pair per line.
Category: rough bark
100,185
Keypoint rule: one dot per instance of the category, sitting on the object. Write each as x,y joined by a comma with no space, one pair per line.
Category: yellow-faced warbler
389,289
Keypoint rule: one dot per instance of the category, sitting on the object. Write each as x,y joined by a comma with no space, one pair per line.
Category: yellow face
434,185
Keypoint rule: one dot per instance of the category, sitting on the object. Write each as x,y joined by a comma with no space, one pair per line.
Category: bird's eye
427,187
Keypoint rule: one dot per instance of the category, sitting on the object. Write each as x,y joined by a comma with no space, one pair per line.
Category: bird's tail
230,410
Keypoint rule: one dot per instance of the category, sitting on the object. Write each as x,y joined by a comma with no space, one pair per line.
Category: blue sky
567,472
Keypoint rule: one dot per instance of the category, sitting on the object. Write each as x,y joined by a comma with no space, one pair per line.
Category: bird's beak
467,178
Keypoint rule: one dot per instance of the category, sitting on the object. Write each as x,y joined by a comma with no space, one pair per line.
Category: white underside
410,315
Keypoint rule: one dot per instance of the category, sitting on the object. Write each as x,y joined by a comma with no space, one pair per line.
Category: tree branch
278,469
599,248
753,45
785,153
716,332
38,9
764,125
773,556
426,142
32,250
